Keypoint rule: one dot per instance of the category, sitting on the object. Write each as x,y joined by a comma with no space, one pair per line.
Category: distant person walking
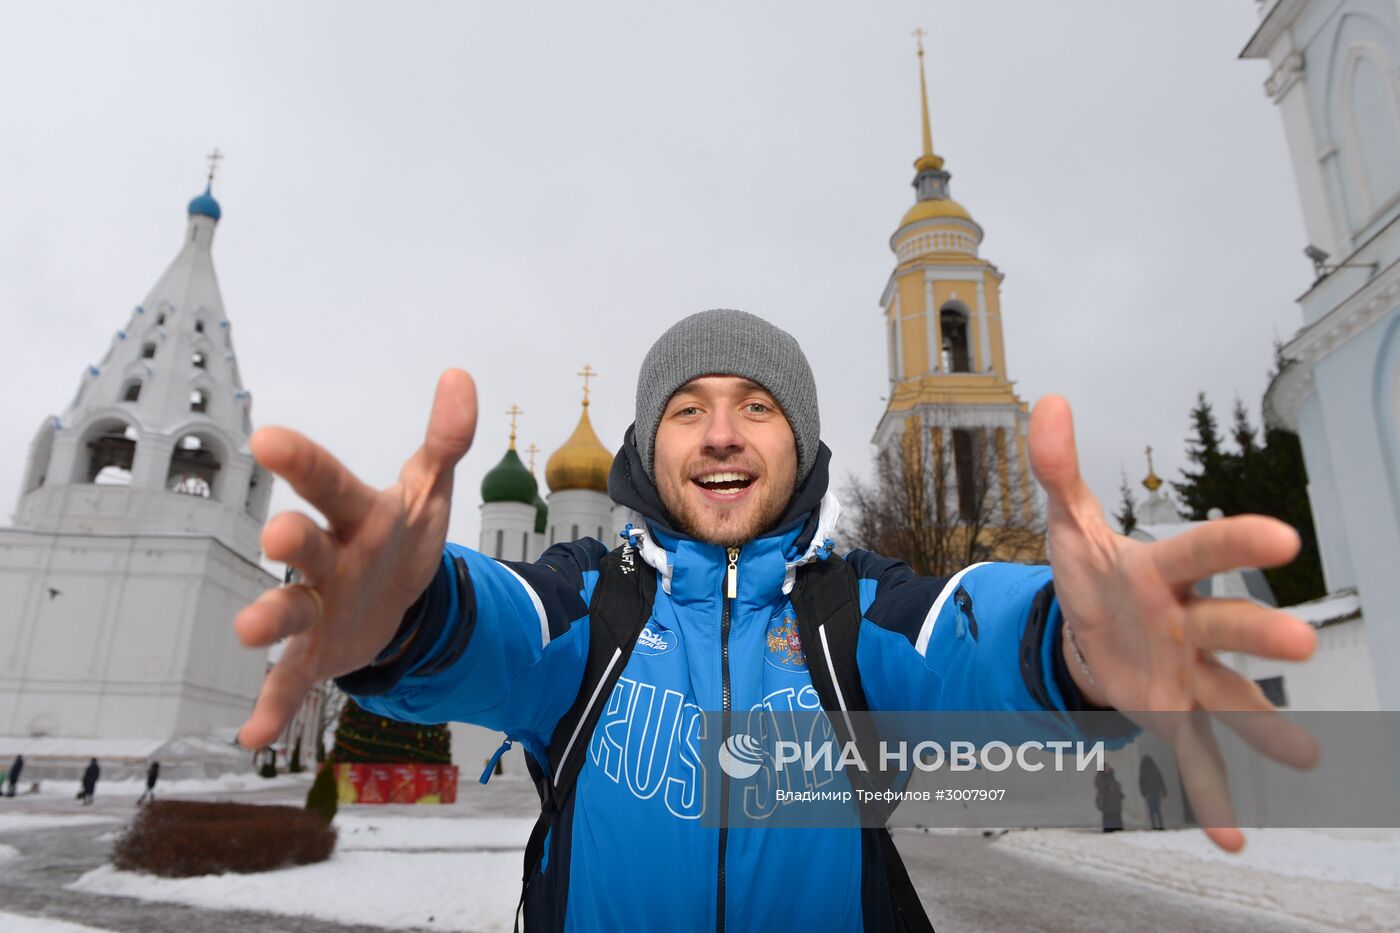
90,775
15,770
1153,789
1108,798
152,775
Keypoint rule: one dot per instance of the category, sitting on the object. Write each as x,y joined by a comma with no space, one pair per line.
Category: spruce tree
365,738
1209,485
1127,507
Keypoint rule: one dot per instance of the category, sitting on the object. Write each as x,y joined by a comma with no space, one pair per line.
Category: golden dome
935,208
582,463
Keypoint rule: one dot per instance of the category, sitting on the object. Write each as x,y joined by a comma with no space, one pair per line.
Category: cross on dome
587,373
513,411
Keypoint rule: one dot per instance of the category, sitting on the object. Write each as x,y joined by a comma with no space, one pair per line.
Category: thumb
452,423
1053,455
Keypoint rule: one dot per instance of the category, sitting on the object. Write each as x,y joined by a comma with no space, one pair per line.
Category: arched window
199,327
160,318
971,481
524,545
198,400
956,355
194,467
197,359
132,391
148,350
111,450
573,533
1373,122
500,544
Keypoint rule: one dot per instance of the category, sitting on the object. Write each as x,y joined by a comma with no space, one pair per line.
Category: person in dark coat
1153,789
1109,799
15,770
89,781
152,775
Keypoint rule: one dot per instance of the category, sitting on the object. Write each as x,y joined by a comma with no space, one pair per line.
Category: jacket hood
629,486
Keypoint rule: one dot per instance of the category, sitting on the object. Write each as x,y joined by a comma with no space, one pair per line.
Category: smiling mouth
724,482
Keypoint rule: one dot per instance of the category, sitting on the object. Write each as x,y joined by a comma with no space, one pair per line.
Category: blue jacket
503,644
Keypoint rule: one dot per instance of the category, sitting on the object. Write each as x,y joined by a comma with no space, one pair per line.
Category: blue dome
205,206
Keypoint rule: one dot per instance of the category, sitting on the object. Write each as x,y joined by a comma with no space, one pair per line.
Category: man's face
725,459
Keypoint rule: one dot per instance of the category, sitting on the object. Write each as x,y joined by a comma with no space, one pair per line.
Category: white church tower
136,535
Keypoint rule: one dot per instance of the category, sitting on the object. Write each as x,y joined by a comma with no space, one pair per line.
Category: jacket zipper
731,590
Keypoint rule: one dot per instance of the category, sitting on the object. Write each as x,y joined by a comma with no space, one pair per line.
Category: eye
685,411
757,408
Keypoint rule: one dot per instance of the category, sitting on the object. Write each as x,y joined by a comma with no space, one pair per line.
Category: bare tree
945,496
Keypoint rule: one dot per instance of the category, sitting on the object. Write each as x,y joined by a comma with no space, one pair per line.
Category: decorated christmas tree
361,737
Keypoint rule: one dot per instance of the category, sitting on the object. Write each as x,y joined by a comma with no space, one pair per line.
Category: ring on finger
315,595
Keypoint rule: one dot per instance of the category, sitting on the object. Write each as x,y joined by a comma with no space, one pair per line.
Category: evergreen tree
324,797
294,765
1127,508
1210,485
362,737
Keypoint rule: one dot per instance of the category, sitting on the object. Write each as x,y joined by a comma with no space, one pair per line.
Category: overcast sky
519,189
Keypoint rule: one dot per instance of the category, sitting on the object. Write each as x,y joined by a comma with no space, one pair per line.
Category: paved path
969,883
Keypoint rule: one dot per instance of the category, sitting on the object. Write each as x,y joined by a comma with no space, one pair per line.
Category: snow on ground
1347,879
405,832
21,822
135,787
23,923
474,891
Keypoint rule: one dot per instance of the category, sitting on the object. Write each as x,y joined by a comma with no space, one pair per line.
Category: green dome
541,515
509,481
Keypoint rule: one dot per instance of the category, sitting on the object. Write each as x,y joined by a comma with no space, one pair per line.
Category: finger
283,691
1055,460
316,475
1204,777
1225,544
451,426
276,614
1240,625
293,538
1241,705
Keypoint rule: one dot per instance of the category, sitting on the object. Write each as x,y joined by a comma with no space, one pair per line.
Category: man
15,770
725,467
152,775
90,776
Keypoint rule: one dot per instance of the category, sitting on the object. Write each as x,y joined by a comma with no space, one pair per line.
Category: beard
716,524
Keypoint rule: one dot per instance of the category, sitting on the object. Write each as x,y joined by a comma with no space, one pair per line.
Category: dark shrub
324,797
181,838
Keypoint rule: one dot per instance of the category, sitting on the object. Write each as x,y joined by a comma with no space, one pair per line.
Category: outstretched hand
1149,640
360,574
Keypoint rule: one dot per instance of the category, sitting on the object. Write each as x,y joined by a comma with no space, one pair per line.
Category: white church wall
107,656
580,513
506,529
1323,496
1339,676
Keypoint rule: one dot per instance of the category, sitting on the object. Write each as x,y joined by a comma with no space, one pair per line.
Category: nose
722,435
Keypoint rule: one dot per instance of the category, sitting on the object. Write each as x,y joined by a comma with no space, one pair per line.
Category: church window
111,450
194,467
956,355
573,533
500,543
552,532
965,462
1273,690
524,545
197,359
132,392
1376,132
600,532
198,400
160,318
199,327
148,350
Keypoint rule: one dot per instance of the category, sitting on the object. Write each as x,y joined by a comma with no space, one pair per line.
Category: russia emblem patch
784,646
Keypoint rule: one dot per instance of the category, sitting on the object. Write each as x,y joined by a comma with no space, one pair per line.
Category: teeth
724,478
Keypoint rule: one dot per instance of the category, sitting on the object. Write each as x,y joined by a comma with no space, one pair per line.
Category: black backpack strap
827,601
621,604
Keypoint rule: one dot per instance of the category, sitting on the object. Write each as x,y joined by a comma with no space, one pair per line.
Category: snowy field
436,873
136,786
1348,879
20,923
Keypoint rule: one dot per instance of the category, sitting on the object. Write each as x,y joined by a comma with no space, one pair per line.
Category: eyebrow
748,385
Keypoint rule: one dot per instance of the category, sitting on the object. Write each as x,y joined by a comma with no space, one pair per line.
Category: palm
1148,639
379,553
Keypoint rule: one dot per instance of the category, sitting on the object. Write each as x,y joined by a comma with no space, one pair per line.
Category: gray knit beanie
729,343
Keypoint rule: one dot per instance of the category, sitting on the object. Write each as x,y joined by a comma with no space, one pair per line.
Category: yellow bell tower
949,387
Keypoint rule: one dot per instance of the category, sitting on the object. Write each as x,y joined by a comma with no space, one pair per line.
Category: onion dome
509,481
582,463
205,206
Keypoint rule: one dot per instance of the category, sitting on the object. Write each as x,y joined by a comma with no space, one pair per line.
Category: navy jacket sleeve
496,643
987,638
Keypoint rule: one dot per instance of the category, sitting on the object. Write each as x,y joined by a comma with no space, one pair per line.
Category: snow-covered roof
1341,606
